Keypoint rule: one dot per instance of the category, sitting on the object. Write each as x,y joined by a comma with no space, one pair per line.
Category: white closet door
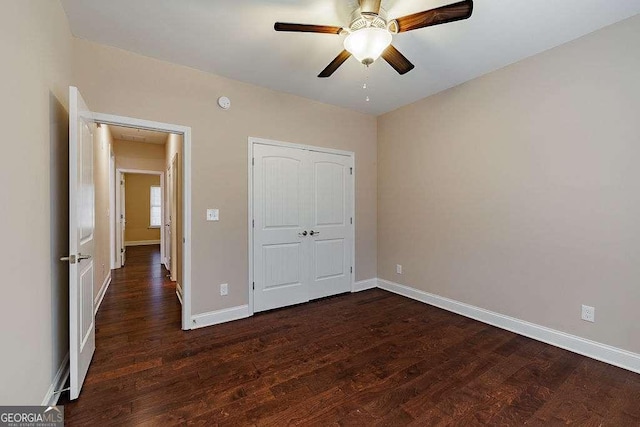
280,211
330,224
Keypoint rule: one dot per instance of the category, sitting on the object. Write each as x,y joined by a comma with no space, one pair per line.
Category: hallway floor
370,358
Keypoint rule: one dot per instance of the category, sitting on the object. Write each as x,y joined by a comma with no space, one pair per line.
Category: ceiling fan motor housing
361,20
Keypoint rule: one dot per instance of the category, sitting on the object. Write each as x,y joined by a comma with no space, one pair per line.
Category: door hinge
253,223
350,171
253,161
184,240
253,285
121,250
351,220
351,270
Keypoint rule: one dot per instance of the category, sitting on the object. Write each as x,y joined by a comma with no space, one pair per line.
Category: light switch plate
213,215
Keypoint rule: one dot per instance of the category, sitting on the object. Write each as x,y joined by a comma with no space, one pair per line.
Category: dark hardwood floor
371,358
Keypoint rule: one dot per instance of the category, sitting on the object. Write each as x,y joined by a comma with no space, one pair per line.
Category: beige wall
138,206
34,77
138,155
102,250
518,191
118,82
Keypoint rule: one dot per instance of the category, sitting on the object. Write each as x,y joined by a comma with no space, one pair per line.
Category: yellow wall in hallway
137,207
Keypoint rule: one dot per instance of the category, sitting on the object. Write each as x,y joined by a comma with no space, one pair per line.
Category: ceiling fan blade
439,15
337,62
370,7
304,28
397,60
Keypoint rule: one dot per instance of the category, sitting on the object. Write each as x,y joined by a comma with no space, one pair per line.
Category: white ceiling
235,39
138,135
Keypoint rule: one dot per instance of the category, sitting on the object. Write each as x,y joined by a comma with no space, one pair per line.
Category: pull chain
365,85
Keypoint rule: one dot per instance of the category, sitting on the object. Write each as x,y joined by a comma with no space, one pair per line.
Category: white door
81,240
167,221
123,220
119,207
114,257
280,242
302,212
330,224
173,221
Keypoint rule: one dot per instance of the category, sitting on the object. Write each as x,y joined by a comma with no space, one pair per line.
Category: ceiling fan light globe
367,44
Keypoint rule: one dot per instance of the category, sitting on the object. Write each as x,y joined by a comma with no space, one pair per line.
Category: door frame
166,209
251,142
112,208
117,202
185,131
171,198
120,171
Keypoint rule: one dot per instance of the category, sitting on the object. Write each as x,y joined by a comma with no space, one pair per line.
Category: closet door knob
311,233
304,233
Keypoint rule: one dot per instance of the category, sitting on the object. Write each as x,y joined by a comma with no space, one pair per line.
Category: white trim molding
101,293
179,292
595,350
60,379
219,316
142,242
363,285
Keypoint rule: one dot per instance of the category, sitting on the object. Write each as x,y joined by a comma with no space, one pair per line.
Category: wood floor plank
364,359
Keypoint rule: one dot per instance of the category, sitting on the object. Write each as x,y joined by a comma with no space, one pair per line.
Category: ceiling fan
370,32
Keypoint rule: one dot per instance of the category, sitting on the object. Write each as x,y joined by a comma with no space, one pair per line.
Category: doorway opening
144,149
147,199
138,215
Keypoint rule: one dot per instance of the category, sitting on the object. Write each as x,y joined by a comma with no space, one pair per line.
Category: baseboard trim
363,285
142,242
595,350
51,398
101,293
219,316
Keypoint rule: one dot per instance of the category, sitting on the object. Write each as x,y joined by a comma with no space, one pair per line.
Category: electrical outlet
588,313
398,269
224,289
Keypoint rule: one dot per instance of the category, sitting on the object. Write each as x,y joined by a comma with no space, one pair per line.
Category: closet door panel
330,232
281,253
